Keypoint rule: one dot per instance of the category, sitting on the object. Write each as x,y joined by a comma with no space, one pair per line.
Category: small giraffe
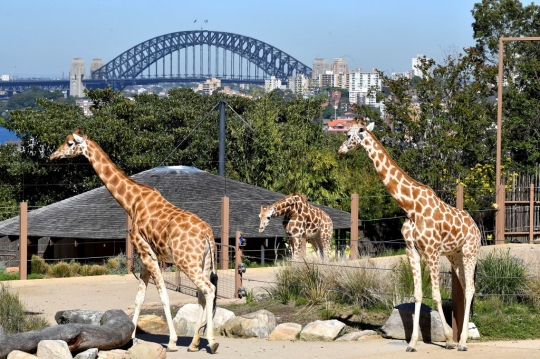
432,228
302,220
161,232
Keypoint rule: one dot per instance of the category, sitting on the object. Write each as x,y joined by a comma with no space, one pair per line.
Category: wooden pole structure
129,245
500,196
23,241
458,298
225,232
354,226
531,214
237,261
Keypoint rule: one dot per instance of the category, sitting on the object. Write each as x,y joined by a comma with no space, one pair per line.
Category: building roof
96,214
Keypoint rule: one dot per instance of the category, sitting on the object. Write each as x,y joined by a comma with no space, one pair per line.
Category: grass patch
13,317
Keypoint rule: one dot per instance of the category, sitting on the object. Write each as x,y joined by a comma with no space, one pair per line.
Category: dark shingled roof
96,214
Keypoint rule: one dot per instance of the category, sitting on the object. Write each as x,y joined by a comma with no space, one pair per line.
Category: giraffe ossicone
301,220
161,232
432,228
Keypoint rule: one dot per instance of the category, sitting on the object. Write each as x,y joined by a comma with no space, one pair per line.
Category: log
114,332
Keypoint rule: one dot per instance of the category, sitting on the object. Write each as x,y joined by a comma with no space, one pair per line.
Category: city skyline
46,36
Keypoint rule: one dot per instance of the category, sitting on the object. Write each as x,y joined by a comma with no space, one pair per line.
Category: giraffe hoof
191,350
411,349
213,348
462,348
172,348
450,345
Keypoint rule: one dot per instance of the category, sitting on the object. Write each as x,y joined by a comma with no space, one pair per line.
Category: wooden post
237,261
531,214
129,245
354,226
23,241
458,298
225,232
500,215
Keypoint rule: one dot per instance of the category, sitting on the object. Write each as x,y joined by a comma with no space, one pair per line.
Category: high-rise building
299,84
340,66
416,62
320,66
362,85
76,75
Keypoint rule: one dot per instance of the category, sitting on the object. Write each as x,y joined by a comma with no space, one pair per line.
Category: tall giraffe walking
302,220
161,232
432,228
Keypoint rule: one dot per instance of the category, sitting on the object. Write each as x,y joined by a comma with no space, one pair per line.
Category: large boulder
152,324
400,324
322,330
147,350
286,332
53,349
359,336
186,319
79,316
253,325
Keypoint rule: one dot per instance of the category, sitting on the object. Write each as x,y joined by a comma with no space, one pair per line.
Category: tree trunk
114,332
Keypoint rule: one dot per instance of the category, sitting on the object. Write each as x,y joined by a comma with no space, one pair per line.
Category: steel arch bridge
236,58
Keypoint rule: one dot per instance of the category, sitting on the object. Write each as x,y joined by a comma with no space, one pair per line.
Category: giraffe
432,228
302,220
161,232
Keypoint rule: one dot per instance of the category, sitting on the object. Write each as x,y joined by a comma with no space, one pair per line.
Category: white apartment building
209,86
272,84
360,85
299,84
416,62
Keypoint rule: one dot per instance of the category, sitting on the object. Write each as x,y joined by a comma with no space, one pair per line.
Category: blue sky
40,38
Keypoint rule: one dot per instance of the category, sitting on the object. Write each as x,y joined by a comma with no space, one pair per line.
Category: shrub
501,274
61,270
98,270
287,285
13,316
39,266
85,270
117,265
74,268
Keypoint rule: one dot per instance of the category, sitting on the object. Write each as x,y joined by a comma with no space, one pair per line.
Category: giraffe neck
122,188
399,184
284,205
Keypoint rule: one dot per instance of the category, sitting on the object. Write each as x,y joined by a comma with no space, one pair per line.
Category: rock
79,316
286,331
260,294
359,336
152,324
322,330
400,324
254,325
53,349
87,354
147,350
17,354
113,354
473,331
185,320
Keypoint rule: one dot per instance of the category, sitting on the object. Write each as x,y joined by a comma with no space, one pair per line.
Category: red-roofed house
339,126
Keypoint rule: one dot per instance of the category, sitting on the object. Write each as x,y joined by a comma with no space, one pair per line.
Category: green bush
501,274
13,316
39,266
117,265
98,270
85,270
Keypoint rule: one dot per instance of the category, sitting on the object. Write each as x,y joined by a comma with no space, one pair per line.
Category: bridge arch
259,56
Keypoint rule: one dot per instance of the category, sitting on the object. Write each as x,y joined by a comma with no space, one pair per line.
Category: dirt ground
102,293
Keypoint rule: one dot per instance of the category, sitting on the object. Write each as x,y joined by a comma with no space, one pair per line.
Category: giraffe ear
77,138
371,126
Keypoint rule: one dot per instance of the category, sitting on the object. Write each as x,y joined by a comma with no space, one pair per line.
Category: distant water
6,135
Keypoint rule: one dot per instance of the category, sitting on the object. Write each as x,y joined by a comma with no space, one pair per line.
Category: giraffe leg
468,265
295,244
433,263
414,260
139,298
194,346
152,266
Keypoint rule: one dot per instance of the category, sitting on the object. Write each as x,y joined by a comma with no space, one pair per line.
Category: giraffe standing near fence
432,228
302,220
161,232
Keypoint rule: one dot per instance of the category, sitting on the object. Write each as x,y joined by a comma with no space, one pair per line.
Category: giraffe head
75,145
264,216
355,136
